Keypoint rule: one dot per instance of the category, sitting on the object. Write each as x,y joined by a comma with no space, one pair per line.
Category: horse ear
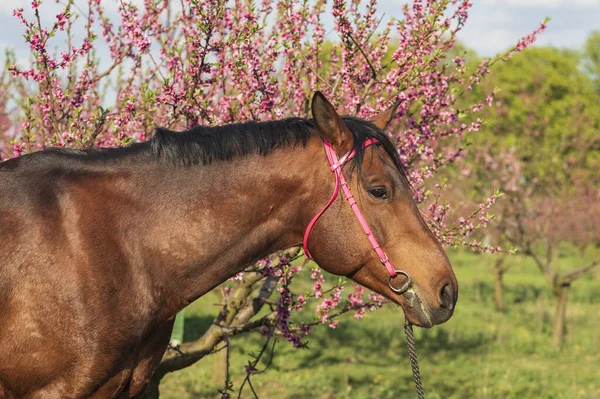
383,119
330,125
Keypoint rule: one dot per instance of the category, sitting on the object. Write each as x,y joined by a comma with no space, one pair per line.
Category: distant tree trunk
558,329
498,287
582,248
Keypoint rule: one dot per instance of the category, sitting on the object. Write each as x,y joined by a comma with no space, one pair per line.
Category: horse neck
208,223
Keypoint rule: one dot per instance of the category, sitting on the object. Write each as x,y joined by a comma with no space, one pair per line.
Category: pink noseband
336,165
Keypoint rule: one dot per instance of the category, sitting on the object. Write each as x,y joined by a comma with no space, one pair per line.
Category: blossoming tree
107,77
543,151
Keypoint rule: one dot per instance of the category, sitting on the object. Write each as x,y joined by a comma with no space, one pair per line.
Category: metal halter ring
404,287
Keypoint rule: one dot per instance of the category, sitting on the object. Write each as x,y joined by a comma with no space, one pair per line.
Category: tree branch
373,70
570,276
233,319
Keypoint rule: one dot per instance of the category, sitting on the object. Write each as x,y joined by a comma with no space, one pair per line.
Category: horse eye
378,192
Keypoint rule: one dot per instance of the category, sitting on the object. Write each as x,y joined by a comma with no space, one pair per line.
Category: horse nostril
447,297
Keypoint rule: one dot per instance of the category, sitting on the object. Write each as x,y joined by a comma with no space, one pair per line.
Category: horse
100,249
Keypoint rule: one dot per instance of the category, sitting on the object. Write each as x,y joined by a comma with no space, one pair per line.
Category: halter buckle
406,284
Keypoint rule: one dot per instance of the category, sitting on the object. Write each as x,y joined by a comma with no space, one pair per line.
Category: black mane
203,145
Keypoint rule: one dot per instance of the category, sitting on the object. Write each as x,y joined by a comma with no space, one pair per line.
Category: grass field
479,353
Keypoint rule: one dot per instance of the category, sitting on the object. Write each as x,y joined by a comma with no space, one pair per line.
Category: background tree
591,58
543,150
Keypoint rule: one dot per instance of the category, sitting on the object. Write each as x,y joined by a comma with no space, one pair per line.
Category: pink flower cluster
317,275
328,304
284,304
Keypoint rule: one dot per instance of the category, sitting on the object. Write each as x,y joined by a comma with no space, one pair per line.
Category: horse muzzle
422,314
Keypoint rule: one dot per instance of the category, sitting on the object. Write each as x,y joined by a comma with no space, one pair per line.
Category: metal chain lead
414,363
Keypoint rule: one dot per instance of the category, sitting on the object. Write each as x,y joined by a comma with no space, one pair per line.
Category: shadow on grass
513,293
434,341
196,326
364,344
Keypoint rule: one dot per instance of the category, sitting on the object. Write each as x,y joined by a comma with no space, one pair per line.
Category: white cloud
49,6
543,3
113,6
489,42
7,6
494,25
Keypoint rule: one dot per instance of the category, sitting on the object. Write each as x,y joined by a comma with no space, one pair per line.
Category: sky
493,25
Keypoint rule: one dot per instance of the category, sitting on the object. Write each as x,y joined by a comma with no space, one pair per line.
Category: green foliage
547,111
479,353
591,57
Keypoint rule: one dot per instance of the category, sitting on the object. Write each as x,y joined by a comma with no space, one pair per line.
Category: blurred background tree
541,147
591,57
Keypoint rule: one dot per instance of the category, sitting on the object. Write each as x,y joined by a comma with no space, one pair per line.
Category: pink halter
336,165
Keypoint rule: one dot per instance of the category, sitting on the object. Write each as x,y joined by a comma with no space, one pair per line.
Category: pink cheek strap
336,167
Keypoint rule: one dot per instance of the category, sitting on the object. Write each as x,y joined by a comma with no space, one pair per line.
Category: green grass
479,353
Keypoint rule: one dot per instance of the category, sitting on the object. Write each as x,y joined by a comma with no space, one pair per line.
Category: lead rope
414,363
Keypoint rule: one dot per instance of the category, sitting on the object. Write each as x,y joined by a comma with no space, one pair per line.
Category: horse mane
203,145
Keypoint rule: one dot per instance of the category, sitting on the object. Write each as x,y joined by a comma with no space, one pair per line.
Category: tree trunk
558,329
499,289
